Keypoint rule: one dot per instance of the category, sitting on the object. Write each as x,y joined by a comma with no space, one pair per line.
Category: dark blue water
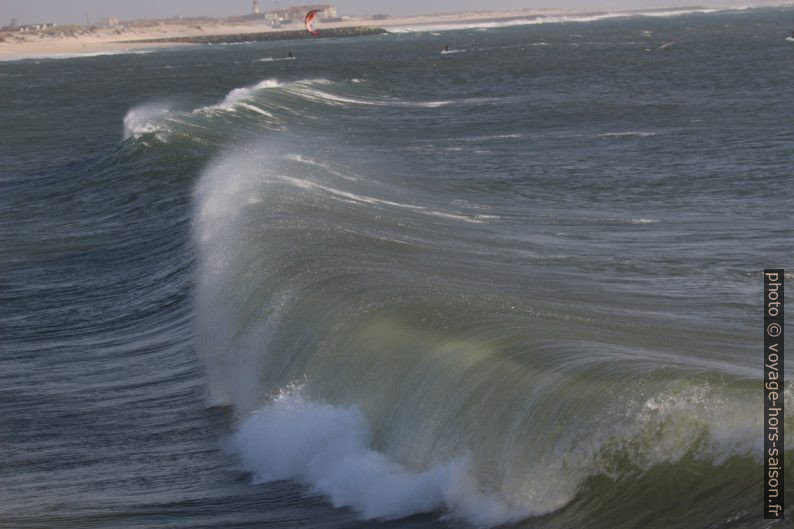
378,285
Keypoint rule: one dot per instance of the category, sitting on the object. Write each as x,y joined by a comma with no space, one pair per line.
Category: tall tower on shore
256,9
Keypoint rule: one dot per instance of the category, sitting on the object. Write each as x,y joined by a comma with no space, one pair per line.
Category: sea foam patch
329,448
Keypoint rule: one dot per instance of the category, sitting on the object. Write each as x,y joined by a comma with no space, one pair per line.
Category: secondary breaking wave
272,105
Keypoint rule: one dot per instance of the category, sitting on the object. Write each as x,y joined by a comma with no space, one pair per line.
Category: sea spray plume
147,118
232,362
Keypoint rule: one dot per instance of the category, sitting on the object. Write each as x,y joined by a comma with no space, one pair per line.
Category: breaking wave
146,119
392,389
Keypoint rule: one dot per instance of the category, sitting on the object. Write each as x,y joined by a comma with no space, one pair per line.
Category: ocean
377,286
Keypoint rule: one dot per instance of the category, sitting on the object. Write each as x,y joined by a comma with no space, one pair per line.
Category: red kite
309,21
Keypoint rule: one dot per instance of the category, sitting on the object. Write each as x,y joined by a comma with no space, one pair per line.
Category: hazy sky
75,11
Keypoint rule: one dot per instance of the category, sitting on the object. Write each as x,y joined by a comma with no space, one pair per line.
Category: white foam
561,19
239,94
308,90
59,56
433,104
145,119
256,109
329,448
326,167
462,101
674,423
627,134
238,97
641,220
271,59
319,95
364,199
490,137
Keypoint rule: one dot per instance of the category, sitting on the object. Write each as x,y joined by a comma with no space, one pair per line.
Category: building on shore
281,17
296,13
256,15
26,28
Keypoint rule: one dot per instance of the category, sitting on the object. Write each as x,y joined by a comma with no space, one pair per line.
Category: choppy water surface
378,285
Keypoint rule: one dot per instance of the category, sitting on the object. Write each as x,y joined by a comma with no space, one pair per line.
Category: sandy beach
76,40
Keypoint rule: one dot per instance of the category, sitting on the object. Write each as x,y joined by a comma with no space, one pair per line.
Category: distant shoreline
353,31
68,41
